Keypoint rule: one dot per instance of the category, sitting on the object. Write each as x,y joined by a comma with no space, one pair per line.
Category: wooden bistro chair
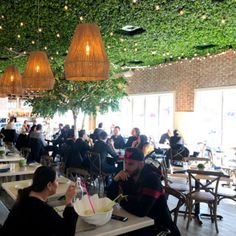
170,189
203,192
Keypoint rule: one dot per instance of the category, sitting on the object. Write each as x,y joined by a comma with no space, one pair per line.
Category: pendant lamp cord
38,21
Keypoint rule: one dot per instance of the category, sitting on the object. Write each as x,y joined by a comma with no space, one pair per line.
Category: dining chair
175,190
3,213
95,170
203,192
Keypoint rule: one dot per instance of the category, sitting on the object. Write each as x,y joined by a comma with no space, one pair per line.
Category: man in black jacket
105,150
145,195
81,147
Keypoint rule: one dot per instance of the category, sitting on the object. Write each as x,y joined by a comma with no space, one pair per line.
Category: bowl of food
4,168
103,208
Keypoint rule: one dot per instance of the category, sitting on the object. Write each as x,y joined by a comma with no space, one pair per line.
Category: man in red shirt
145,194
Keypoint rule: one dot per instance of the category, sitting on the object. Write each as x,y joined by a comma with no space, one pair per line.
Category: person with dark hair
134,140
31,215
11,123
100,146
119,142
81,147
96,132
58,133
145,194
37,134
165,138
177,151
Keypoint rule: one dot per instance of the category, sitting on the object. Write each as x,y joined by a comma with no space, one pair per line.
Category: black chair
3,213
10,136
37,150
22,141
95,170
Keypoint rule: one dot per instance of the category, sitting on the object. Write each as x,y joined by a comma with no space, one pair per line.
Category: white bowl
83,209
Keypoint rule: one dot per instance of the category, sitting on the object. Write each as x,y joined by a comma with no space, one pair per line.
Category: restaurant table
113,227
16,170
11,158
11,188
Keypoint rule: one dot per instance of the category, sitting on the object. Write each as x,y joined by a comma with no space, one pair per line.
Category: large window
216,112
152,114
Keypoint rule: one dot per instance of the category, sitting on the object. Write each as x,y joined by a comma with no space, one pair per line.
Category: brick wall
184,76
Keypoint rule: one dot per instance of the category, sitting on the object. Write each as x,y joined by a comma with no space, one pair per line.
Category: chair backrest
36,147
10,135
3,213
94,163
196,185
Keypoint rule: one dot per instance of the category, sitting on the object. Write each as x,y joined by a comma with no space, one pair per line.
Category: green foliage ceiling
174,29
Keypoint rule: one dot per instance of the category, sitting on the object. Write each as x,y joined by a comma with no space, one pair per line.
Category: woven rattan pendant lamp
11,81
38,74
87,59
2,95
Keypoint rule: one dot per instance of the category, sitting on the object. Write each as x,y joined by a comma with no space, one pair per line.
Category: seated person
177,151
80,149
176,139
25,128
134,140
145,195
11,123
38,134
95,135
119,142
165,138
31,215
100,146
58,133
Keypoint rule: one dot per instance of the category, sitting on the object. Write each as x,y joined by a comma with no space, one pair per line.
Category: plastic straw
90,202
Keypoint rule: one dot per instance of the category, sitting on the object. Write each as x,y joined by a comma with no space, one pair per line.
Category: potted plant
2,152
201,166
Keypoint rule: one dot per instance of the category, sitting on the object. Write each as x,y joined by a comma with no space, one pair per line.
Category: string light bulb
33,42
58,35
181,12
45,47
21,24
0,27
18,36
65,7
87,49
40,30
111,34
157,7
81,18
223,21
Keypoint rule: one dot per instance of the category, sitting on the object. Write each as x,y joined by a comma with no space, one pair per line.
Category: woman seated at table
31,215
134,139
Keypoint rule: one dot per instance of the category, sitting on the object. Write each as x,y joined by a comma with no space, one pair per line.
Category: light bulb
181,12
0,27
40,29
81,18
65,7
37,68
33,42
12,78
58,35
45,47
21,24
157,7
18,36
87,49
